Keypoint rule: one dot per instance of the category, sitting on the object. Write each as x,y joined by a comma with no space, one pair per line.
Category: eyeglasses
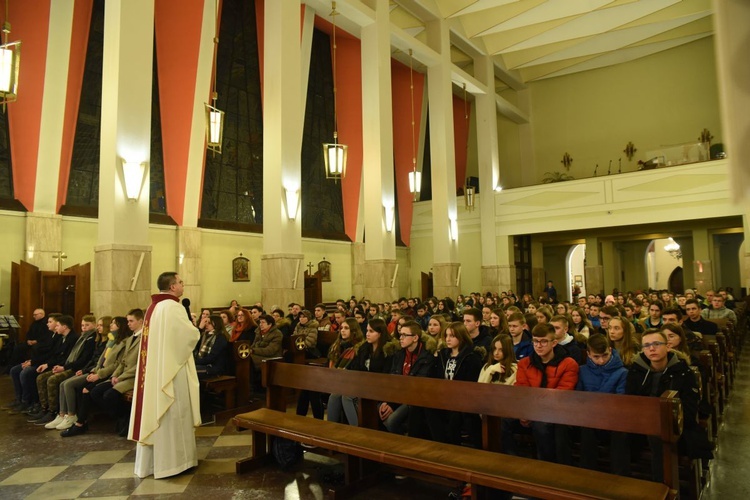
653,344
541,342
404,335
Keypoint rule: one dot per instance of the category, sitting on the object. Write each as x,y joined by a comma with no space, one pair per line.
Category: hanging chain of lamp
415,177
469,191
10,62
214,116
334,154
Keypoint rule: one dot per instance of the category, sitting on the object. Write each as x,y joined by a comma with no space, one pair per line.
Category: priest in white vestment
166,402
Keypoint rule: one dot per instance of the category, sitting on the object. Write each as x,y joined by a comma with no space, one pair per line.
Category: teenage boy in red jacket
549,367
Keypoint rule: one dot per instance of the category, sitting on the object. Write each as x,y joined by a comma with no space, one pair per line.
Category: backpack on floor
286,452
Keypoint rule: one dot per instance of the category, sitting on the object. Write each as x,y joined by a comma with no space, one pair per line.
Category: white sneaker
67,422
53,424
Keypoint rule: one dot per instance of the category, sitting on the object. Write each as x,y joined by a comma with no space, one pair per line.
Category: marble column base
189,264
358,270
703,275
594,279
444,280
44,241
498,278
378,276
277,280
114,269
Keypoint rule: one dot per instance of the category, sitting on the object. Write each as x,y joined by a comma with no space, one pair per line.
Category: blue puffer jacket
609,378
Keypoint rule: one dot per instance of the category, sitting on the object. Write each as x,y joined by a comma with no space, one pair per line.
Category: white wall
663,99
576,268
661,265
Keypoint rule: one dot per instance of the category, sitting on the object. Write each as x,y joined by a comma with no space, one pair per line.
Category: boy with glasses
548,367
654,371
414,358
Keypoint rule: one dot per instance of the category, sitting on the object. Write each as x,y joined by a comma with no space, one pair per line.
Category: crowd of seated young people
501,340
68,371
524,342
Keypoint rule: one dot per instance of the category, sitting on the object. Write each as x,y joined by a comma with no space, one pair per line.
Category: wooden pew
235,386
658,417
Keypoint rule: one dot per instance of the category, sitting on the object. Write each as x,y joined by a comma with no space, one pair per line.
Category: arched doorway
575,264
663,258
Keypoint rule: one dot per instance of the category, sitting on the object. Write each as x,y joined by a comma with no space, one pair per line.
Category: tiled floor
37,463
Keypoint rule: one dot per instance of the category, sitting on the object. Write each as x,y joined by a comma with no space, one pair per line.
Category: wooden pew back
658,417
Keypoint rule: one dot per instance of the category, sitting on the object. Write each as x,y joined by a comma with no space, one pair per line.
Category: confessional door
313,290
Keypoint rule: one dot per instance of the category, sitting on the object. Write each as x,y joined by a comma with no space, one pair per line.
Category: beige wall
13,237
663,99
79,237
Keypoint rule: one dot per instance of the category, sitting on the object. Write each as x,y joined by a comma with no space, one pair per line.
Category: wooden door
313,290
426,286
82,273
59,293
25,295
676,283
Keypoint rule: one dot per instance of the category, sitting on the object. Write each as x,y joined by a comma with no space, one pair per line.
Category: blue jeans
24,383
338,404
544,437
396,421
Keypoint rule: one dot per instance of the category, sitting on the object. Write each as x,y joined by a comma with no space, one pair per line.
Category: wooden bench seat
660,418
223,384
517,474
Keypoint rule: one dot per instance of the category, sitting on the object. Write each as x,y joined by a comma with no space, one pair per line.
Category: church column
122,262
506,268
43,226
445,265
489,173
538,280
745,256
377,152
190,264
282,266
43,240
593,267
703,272
188,236
609,266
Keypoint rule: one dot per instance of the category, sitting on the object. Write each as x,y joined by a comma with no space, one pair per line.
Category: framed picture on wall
324,268
240,269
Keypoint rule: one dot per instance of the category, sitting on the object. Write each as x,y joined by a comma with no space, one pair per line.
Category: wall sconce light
498,188
10,62
291,197
30,252
181,259
133,176
469,192
389,217
334,154
453,229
